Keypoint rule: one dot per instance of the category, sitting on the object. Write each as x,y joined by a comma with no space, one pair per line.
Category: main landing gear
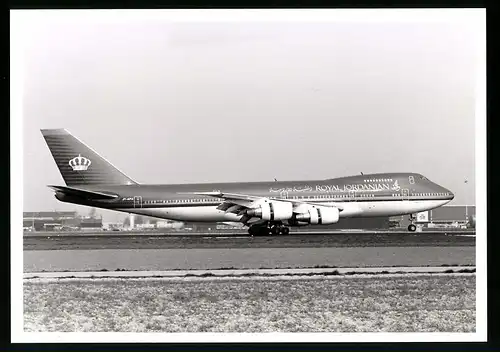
412,227
272,229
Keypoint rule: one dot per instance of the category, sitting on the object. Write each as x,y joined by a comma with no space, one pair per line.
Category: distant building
49,220
369,223
451,216
145,226
141,222
347,223
460,213
90,223
137,220
168,224
58,220
112,226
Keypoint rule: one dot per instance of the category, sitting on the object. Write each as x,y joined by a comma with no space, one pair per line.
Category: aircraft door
137,202
405,194
352,196
284,194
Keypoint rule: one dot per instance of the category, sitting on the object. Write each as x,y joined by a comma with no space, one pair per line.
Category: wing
83,193
233,203
237,203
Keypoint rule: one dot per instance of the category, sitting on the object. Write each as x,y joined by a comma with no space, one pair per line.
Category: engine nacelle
319,216
272,211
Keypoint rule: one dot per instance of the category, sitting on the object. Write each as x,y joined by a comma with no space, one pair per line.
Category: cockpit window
423,177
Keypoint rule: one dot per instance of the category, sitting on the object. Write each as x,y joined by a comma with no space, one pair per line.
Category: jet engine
272,211
319,216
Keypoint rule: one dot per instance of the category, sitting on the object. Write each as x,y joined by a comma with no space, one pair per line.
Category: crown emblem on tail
79,163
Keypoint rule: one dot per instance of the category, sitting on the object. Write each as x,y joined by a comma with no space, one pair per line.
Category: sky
170,101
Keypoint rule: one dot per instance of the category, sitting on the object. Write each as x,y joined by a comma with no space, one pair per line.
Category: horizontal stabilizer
83,193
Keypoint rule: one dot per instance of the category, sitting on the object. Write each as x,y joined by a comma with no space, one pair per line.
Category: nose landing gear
412,227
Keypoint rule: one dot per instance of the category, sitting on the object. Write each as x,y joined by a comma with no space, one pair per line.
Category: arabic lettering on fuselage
292,189
339,188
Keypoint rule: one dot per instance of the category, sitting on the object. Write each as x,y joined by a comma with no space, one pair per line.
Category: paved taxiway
65,241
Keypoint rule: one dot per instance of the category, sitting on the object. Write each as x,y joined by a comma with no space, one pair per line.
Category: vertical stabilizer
79,164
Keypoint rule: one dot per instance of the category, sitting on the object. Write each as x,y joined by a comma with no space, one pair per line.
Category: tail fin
80,164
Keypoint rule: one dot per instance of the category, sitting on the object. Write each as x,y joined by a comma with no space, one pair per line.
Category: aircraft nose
449,194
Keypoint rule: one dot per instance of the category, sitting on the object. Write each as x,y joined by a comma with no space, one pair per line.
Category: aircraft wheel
286,231
257,231
412,228
275,230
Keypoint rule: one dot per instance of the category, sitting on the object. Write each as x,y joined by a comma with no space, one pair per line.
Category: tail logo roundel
79,163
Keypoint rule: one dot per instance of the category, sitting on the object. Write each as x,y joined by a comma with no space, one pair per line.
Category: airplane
266,208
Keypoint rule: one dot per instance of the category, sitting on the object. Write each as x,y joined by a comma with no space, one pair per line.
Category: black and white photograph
248,175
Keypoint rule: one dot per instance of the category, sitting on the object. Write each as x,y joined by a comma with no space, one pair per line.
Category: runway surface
244,258
337,240
203,252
